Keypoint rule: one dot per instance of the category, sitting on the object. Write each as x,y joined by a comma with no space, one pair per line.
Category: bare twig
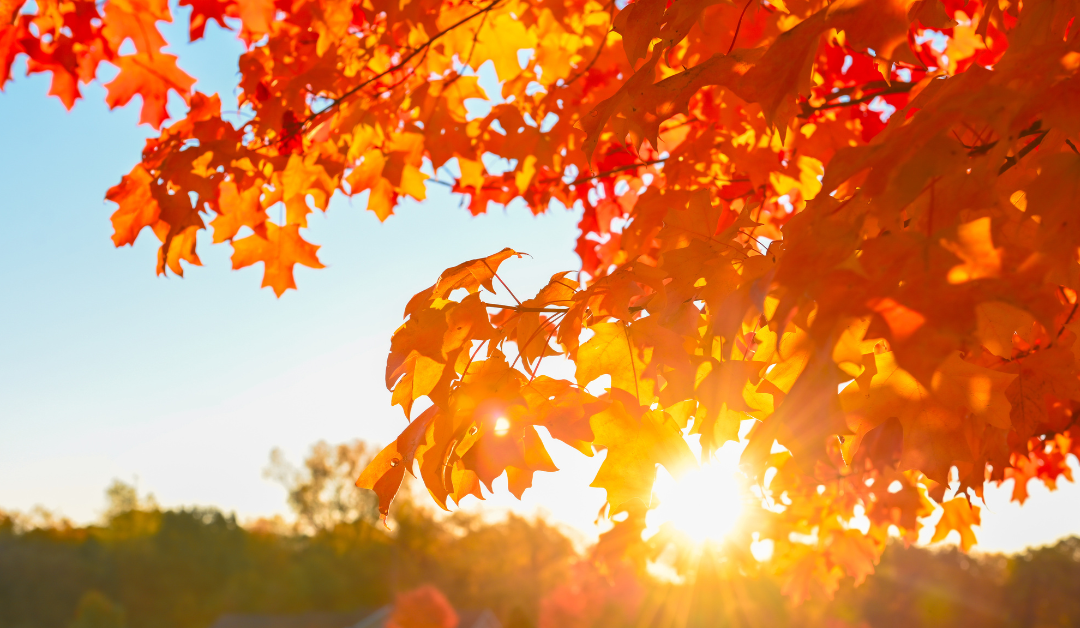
552,310
421,49
1015,159
512,295
738,26
615,170
895,88
599,49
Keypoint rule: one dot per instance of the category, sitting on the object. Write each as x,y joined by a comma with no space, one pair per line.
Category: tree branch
895,88
1015,159
550,310
421,49
599,49
738,26
615,170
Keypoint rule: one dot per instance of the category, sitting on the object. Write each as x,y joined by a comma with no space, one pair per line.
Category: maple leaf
636,442
807,574
387,469
237,209
135,20
854,553
202,11
773,204
471,275
280,250
934,430
959,515
138,208
610,352
152,77
722,404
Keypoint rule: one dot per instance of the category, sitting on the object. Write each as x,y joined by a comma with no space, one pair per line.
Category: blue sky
107,371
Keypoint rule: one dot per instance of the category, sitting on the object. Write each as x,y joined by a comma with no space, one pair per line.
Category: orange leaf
279,251
152,77
957,515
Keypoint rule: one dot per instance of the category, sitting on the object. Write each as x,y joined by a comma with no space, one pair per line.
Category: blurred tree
919,587
424,607
120,497
182,568
97,611
1044,585
323,493
504,565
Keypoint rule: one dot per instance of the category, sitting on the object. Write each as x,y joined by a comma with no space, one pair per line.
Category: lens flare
705,504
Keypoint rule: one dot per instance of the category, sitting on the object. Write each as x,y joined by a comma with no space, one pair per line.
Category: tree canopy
847,221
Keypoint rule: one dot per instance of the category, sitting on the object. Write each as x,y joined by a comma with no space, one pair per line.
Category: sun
705,504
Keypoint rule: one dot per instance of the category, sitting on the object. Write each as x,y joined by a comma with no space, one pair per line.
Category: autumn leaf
152,77
279,251
958,515
850,222
611,352
635,445
137,206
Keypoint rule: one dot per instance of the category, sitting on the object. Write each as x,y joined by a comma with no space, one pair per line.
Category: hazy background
184,385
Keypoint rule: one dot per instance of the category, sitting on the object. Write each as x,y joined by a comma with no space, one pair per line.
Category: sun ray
705,504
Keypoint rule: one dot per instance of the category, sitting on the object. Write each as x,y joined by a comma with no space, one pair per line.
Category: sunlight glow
705,504
502,426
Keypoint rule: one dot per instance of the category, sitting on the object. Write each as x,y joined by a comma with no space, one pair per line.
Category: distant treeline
145,567
184,568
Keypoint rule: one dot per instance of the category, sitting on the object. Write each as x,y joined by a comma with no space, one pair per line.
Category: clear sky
107,371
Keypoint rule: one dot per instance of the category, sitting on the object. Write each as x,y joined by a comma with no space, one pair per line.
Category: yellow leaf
996,323
635,447
975,247
609,352
958,515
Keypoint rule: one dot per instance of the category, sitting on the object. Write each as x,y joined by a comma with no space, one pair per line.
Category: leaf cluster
779,200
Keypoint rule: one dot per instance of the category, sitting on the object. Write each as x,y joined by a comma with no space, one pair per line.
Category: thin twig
540,358
895,88
633,367
530,339
422,48
738,26
1015,159
476,37
503,283
473,356
599,49
551,310
615,170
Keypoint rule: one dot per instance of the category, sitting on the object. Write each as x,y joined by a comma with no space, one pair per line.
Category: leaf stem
738,26
421,49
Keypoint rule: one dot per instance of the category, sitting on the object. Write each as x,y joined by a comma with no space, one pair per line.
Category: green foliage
184,568
97,611
144,567
323,493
